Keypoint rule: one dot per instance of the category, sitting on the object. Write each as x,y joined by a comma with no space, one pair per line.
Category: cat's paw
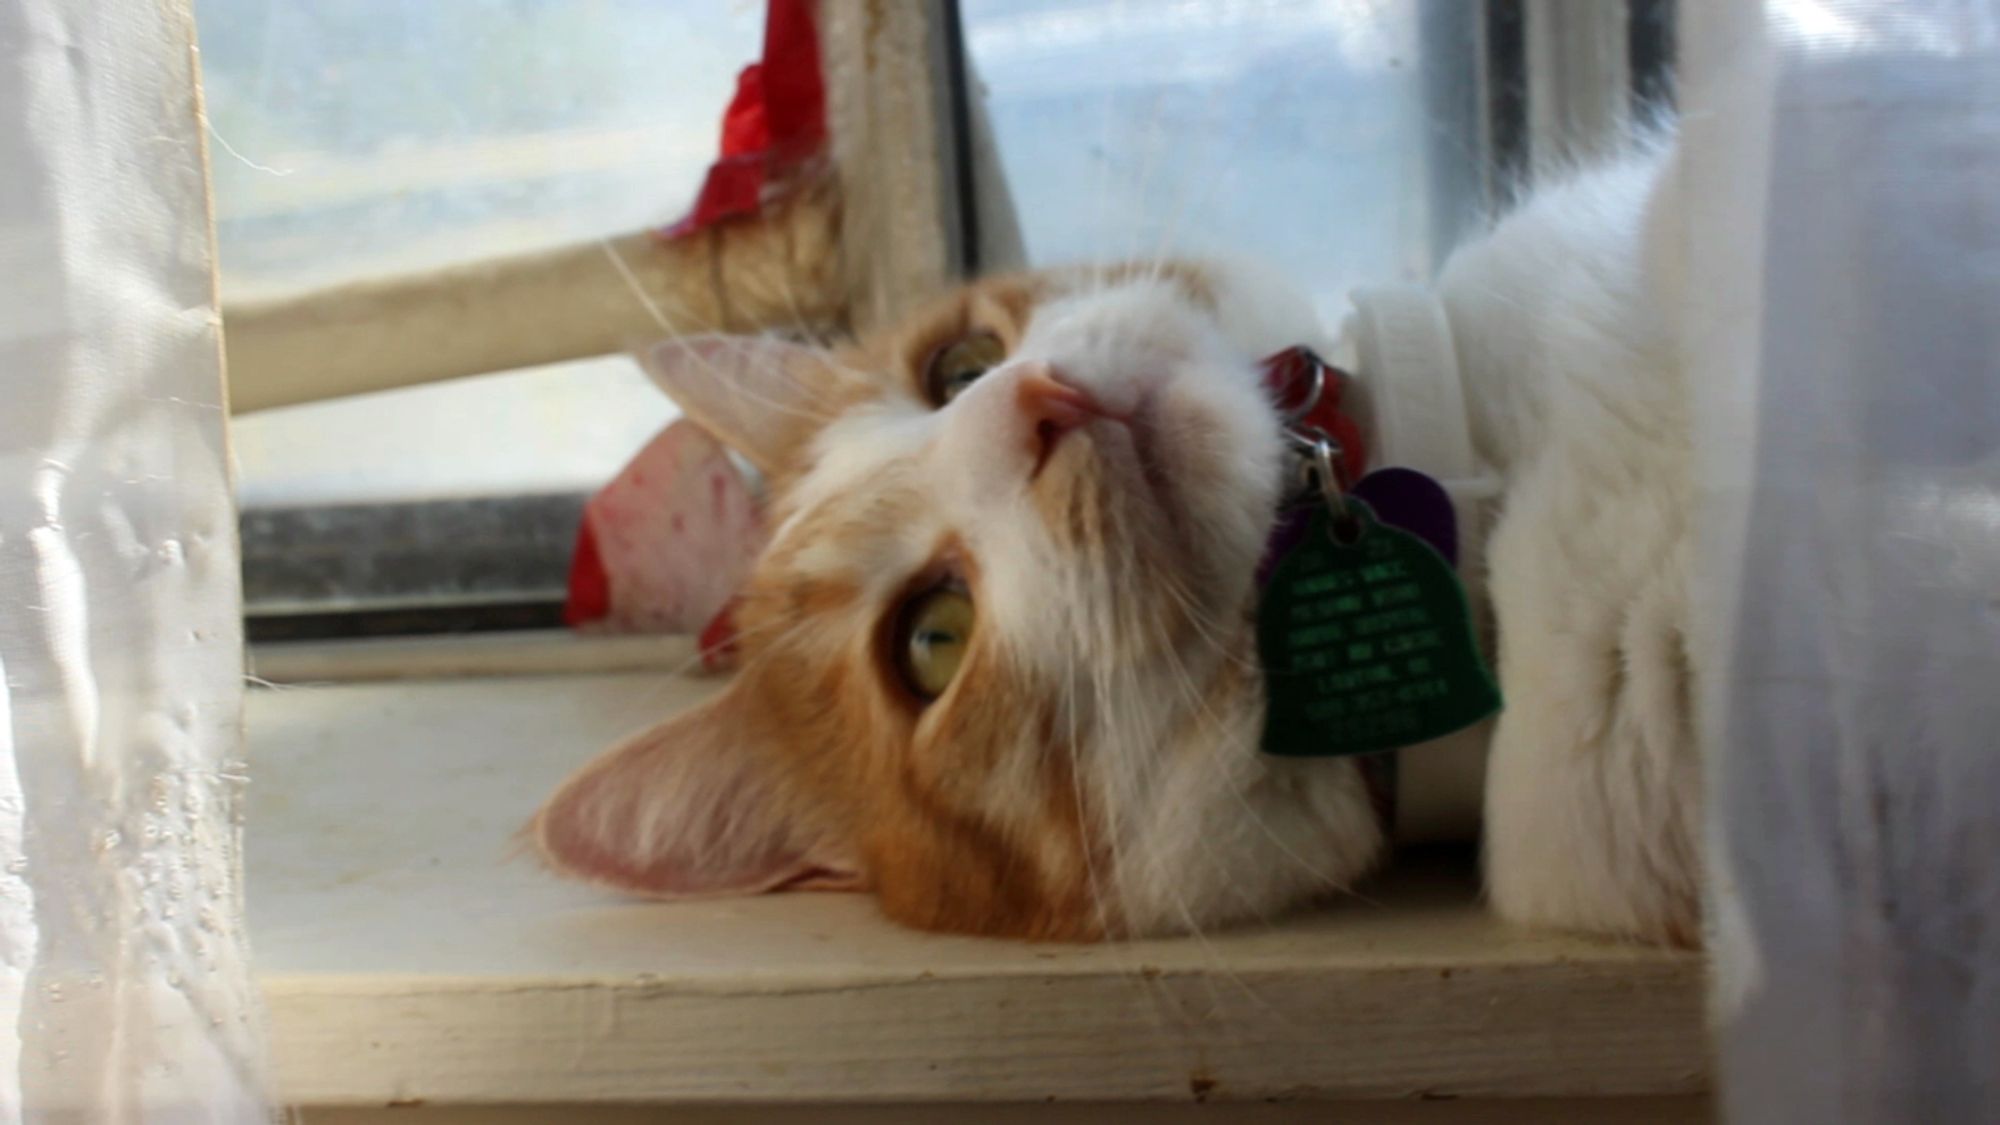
1596,836
1593,795
1557,896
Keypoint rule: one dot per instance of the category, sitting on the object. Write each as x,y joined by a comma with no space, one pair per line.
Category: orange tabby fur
969,814
1097,503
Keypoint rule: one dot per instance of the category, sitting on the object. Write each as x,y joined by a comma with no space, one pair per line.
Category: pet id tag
1409,500
1366,643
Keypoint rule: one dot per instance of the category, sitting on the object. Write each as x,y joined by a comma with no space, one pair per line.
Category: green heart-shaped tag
1367,644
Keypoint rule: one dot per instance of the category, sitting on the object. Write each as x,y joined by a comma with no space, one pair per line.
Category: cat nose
1052,408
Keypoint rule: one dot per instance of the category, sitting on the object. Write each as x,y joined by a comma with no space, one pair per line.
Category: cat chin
1242,838
1223,453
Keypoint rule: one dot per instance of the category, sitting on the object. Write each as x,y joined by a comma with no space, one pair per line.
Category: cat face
997,660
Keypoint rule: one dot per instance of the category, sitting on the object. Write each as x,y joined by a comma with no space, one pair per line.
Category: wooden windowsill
406,955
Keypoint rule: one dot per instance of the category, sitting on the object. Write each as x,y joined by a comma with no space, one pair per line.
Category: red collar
1308,390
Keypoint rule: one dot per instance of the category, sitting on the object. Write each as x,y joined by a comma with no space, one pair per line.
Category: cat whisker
677,332
1130,724
1204,625
1155,992
666,676
1219,766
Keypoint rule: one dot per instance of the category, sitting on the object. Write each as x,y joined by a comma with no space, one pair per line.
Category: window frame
344,1032
864,261
904,227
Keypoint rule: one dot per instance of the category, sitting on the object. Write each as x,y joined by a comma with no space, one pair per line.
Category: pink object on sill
665,544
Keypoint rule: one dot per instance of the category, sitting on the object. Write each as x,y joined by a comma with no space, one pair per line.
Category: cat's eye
933,633
959,364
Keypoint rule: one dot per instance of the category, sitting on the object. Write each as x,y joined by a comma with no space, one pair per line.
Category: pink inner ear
679,812
760,395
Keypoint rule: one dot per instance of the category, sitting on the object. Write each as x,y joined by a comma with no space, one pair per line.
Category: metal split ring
1314,390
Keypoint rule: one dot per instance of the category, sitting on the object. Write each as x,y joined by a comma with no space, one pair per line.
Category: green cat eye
933,634
959,364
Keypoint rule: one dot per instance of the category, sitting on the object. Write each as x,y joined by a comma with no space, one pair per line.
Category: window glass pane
371,136
565,428
1334,138
364,138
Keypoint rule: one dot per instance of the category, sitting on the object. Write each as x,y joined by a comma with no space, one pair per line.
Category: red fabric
745,131
775,123
589,586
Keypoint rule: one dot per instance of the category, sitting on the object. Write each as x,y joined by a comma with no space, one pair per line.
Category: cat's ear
764,397
689,809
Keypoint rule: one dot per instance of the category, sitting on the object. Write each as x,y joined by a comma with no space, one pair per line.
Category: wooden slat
568,303
888,106
404,954
1693,1110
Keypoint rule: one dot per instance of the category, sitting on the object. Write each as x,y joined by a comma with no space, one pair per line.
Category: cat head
997,662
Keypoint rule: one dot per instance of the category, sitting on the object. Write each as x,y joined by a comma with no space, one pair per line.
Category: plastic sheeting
1842,168
124,991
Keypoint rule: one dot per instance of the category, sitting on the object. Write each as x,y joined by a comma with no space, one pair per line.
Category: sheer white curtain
1842,167
124,989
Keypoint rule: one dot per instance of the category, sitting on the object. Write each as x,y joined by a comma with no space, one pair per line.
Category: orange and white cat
998,662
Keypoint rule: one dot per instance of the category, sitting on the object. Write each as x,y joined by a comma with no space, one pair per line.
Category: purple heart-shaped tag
1407,499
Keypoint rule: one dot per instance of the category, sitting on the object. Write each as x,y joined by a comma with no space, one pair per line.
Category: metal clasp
1316,373
1320,459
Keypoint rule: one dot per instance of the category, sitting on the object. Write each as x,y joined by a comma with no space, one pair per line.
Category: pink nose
1053,408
